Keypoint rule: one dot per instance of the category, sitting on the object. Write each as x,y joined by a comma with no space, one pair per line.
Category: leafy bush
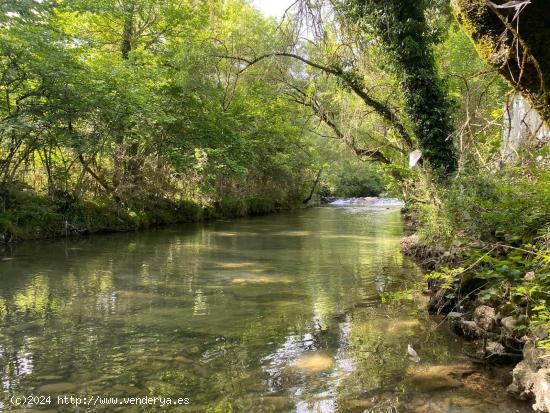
511,205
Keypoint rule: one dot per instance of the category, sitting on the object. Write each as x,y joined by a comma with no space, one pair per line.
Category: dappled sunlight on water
269,314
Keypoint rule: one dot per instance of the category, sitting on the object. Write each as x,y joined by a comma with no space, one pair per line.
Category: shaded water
280,313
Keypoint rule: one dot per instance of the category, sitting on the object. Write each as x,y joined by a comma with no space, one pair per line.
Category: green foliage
506,215
137,123
354,179
446,276
510,206
26,215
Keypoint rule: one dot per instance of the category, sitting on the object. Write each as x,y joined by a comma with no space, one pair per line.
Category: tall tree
405,35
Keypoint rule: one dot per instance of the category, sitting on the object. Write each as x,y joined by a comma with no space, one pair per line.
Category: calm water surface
280,313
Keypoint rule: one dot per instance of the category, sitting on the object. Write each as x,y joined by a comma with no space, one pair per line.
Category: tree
405,36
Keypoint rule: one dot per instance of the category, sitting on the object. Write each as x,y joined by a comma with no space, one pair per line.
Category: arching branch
301,98
349,79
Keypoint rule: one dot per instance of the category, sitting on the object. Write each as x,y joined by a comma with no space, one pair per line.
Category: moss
472,16
497,46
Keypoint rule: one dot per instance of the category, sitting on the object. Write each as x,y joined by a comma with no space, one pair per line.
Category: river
295,312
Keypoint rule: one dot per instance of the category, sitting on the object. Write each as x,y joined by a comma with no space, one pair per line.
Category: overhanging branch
355,84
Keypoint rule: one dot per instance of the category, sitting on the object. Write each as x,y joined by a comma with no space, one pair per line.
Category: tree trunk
404,33
513,37
317,179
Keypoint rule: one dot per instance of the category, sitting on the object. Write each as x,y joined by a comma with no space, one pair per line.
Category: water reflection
269,314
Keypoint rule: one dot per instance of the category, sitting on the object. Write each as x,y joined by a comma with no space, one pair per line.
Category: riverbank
25,215
496,315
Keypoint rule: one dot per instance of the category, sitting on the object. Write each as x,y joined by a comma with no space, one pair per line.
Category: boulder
427,382
454,317
531,378
468,329
485,317
410,244
541,332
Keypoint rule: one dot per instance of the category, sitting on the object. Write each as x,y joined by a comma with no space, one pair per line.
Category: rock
360,405
485,317
467,329
57,388
182,359
194,349
455,371
422,404
410,244
531,377
101,380
505,310
454,316
509,323
440,303
495,349
454,319
281,403
479,382
48,378
470,402
438,377
126,390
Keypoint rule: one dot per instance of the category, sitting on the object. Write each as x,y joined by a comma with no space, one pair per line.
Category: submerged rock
531,377
439,377
313,363
57,388
433,380
49,378
126,390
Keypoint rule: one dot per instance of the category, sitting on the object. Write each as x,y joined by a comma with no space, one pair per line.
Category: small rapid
365,201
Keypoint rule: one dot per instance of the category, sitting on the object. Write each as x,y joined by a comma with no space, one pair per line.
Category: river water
295,312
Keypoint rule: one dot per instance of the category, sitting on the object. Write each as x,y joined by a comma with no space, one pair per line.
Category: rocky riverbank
494,321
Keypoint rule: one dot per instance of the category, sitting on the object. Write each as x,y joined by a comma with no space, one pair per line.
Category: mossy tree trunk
404,33
513,37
